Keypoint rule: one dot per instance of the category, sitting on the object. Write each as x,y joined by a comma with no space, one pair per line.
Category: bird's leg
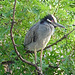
35,52
41,59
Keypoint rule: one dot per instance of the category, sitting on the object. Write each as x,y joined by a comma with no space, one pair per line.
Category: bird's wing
31,35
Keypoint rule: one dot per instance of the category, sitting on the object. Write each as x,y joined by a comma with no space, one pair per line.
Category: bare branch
59,40
12,38
7,62
53,43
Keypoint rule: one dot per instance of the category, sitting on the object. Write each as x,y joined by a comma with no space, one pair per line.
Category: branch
53,66
12,38
53,43
8,62
58,40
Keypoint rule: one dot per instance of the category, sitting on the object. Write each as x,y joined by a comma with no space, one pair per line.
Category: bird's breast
45,31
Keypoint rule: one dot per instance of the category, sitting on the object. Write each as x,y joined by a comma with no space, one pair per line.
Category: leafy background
28,12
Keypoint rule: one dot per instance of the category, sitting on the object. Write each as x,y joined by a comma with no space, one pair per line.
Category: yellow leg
41,59
35,52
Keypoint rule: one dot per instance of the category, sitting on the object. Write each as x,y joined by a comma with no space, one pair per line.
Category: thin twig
53,66
7,62
12,38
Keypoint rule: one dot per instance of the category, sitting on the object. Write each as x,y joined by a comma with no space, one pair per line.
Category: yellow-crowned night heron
39,35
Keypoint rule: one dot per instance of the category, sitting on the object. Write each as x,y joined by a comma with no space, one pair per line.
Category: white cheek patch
54,19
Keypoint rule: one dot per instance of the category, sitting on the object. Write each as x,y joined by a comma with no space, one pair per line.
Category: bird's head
52,20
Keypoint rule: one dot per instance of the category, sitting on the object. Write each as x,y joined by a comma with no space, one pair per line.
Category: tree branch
59,40
8,62
53,43
12,38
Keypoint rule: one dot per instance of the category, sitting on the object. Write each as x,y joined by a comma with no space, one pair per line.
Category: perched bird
39,35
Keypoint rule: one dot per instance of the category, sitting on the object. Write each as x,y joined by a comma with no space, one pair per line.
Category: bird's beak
56,24
59,25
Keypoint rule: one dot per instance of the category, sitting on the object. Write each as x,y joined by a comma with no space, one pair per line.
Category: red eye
52,20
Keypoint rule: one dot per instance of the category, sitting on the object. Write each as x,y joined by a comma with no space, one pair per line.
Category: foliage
28,12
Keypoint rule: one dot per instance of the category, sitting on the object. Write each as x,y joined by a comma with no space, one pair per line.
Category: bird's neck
52,29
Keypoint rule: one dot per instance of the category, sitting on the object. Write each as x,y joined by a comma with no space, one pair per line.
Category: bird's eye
52,20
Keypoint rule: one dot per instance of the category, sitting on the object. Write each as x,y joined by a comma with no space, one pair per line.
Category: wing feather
31,35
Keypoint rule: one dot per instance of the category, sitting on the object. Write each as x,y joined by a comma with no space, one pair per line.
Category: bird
39,35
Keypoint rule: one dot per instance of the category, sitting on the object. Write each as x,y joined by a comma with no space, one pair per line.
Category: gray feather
31,35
